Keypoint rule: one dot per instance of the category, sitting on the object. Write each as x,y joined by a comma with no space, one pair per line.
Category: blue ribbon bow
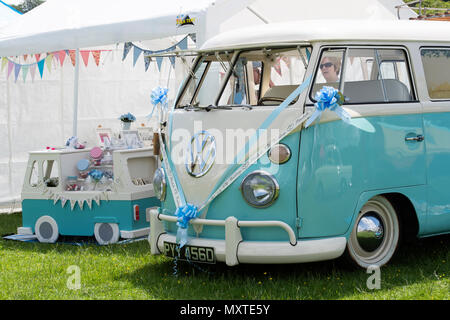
158,96
328,98
184,214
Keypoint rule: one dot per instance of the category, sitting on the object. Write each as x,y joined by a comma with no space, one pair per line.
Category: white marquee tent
39,113
7,13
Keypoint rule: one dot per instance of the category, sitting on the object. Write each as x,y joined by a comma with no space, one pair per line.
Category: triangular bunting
81,204
73,58
96,56
41,67
48,62
16,71
193,37
25,72
89,203
172,61
85,56
159,62
72,204
147,61
32,71
126,48
4,63
62,56
25,56
183,44
10,68
63,202
136,53
56,199
37,56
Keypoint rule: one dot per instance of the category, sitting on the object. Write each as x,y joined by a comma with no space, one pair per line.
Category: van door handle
416,138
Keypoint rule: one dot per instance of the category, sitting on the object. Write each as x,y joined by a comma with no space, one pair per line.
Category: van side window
368,75
329,71
436,64
34,175
376,75
51,174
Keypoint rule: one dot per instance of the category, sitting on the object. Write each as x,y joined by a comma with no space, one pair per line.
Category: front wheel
46,229
375,235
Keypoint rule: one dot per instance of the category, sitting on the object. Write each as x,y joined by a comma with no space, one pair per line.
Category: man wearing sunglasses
330,67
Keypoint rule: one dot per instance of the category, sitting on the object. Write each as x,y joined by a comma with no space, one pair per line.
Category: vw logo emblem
201,154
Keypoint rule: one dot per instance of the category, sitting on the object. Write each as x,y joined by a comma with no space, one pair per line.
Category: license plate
190,253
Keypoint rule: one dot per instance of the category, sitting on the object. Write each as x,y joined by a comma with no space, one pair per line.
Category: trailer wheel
375,235
46,229
106,233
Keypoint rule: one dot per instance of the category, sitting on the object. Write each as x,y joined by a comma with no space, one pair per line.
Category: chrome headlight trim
159,184
275,193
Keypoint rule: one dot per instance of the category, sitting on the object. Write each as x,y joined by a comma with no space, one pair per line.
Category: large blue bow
158,96
328,98
184,214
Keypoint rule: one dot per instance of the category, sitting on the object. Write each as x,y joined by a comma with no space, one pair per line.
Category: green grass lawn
127,271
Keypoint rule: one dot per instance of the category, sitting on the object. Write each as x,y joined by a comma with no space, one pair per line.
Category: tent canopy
7,13
70,24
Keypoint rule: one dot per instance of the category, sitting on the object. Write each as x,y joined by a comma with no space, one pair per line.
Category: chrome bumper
233,250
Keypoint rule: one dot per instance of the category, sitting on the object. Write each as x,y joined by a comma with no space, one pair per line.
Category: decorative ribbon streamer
328,98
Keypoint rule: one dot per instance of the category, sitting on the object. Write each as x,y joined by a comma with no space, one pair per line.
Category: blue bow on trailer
328,98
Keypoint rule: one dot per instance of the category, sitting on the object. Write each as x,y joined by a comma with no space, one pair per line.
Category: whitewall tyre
375,234
106,233
46,229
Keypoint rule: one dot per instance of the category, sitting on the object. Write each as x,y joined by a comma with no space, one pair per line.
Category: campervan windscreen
254,77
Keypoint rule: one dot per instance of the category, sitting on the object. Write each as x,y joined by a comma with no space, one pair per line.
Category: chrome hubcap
370,232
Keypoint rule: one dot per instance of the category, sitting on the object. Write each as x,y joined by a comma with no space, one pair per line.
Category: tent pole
75,91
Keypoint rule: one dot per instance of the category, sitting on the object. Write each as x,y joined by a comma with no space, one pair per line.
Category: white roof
331,30
71,24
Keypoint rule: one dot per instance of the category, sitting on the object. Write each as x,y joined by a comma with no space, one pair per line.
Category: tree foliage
27,5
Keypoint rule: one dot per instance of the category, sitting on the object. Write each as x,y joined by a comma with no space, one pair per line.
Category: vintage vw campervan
260,169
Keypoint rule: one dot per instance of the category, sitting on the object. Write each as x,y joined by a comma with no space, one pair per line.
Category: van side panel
339,161
437,139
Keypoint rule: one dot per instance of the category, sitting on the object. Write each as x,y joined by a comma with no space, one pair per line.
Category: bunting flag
48,62
25,72
17,68
62,56
182,44
32,71
126,48
85,56
136,53
10,68
58,57
96,56
4,63
73,58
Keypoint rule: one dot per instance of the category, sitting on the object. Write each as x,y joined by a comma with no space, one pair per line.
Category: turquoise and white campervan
56,201
306,141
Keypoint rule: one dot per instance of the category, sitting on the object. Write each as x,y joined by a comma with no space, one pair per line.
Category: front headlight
260,189
159,184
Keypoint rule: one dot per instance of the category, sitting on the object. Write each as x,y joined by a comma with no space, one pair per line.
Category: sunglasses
326,64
